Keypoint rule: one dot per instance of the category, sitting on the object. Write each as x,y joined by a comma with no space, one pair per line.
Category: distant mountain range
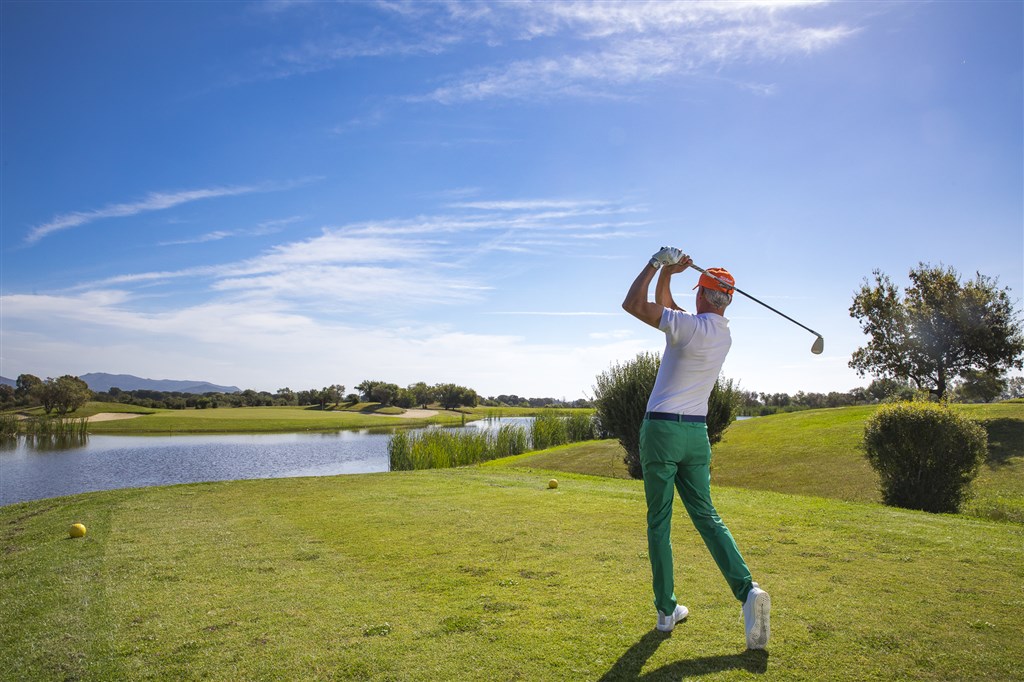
99,381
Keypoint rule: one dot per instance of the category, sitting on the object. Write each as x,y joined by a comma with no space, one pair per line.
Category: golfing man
674,448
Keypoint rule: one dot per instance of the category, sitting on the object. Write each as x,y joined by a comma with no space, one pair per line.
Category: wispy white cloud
594,49
214,236
263,229
154,201
550,216
425,260
605,69
532,204
145,278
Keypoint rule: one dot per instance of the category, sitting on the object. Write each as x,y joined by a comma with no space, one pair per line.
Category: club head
819,346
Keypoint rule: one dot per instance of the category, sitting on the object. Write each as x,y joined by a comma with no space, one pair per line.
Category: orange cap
708,281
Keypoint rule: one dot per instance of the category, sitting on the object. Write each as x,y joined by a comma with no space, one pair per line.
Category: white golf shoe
756,612
666,623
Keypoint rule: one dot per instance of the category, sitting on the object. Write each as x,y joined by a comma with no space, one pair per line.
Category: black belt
669,416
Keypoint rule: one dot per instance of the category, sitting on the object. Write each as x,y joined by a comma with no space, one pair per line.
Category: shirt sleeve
678,326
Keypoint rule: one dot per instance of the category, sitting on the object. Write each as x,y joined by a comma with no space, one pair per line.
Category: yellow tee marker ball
553,483
77,530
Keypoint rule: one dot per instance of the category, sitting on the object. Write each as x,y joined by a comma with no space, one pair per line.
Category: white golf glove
668,255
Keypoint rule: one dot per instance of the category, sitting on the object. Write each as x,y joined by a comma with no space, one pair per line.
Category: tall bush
723,404
925,454
620,396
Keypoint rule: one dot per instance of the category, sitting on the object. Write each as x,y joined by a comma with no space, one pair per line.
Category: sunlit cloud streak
581,49
154,201
263,229
409,263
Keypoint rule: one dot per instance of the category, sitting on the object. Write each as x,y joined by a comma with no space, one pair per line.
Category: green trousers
677,456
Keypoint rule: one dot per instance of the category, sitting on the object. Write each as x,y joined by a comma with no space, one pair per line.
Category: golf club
819,343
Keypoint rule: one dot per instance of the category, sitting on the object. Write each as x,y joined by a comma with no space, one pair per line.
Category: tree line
68,393
974,388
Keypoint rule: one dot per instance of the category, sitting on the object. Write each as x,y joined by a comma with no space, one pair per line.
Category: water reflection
65,441
37,467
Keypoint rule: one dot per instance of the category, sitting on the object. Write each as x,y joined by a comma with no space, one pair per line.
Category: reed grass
580,426
8,426
548,430
443,448
56,427
510,441
440,448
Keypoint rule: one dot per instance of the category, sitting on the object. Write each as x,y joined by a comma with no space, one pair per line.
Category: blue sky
299,194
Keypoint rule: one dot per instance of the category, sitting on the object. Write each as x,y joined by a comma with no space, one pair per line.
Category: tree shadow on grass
628,667
1005,440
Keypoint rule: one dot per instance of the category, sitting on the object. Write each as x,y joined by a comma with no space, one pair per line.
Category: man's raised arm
637,302
663,291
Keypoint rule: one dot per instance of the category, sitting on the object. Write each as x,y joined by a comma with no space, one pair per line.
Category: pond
31,472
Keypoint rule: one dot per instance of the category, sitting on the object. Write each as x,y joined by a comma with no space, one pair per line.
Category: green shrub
925,454
620,397
723,404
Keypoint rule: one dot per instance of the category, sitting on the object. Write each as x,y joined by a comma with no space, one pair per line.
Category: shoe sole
759,633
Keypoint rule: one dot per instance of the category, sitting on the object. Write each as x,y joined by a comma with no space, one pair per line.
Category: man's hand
684,262
668,255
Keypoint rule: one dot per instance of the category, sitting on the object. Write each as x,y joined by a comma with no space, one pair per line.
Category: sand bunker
413,414
112,416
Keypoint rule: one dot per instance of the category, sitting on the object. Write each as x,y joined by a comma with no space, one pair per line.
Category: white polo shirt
695,349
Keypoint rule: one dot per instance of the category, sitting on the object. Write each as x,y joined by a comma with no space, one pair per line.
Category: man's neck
714,311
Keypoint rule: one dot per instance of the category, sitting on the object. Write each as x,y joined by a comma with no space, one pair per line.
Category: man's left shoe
667,623
756,612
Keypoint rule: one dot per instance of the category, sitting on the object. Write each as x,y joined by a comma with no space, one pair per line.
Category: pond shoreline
39,468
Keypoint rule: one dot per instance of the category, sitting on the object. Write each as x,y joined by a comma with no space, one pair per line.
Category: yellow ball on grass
553,483
77,530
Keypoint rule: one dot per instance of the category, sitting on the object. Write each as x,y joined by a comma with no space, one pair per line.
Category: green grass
95,407
483,573
817,452
257,420
495,412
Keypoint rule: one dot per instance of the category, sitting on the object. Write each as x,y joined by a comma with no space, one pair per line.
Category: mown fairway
818,452
253,420
484,574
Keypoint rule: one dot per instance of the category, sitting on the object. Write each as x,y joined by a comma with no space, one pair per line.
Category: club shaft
735,288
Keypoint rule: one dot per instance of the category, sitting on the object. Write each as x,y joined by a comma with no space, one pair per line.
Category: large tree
27,388
422,394
940,329
64,394
451,396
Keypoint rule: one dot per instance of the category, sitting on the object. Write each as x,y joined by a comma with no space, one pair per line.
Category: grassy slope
256,420
483,573
817,452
